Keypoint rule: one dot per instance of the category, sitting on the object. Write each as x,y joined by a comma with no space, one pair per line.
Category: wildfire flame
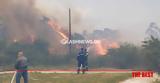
114,45
58,28
102,49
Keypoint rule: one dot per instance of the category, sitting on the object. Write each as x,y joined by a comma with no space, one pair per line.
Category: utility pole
70,32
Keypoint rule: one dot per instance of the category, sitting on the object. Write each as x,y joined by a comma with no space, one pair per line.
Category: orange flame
102,49
58,28
114,45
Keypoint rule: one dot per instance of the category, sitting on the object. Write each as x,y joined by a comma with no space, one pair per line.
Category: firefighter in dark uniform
81,61
86,59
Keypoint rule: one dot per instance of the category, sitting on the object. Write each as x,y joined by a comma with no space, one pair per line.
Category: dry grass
70,78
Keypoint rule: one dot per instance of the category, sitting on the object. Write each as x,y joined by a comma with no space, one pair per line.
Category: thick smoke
24,23
59,10
19,18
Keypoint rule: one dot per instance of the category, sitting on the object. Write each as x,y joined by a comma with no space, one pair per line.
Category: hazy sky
130,17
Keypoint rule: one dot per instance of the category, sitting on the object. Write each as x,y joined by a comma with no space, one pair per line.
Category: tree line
128,56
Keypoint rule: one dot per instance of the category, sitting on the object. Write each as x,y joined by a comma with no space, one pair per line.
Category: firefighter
81,61
86,59
21,67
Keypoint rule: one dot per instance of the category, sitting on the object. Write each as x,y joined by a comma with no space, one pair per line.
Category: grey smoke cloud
23,23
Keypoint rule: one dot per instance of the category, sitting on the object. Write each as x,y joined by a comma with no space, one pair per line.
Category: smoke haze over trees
22,27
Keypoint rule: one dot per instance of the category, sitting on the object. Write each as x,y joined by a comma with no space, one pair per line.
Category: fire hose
13,77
